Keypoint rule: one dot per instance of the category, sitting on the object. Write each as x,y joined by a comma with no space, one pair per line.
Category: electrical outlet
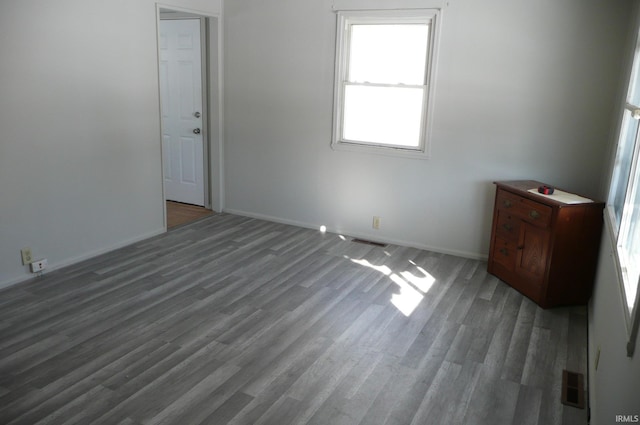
38,265
376,222
26,256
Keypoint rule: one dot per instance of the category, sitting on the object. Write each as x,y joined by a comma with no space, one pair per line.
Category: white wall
80,169
614,388
524,90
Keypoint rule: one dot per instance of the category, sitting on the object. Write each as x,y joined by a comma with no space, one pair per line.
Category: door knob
196,131
196,114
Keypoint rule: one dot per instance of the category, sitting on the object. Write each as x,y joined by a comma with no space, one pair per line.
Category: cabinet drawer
507,201
505,253
507,226
535,212
531,211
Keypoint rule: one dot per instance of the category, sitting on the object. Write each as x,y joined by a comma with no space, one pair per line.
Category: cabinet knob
508,227
504,251
534,214
507,203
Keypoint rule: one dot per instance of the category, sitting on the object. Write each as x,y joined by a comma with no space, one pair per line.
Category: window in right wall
623,205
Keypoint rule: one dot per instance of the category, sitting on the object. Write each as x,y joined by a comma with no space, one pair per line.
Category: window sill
381,150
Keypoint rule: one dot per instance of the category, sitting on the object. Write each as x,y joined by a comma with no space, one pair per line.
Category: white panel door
181,101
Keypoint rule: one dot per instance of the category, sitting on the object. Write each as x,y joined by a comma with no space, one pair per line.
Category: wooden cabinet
545,246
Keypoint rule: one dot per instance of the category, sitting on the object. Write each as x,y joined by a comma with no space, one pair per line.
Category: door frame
212,101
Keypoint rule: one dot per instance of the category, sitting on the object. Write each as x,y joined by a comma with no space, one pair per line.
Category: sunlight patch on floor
412,284
423,283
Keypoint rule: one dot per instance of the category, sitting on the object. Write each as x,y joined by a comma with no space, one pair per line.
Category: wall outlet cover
38,265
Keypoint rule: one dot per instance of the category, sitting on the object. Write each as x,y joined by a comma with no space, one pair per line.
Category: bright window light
390,54
383,115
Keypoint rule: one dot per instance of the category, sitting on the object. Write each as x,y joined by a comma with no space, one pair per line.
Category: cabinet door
533,250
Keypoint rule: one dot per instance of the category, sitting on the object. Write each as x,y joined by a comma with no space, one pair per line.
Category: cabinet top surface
523,187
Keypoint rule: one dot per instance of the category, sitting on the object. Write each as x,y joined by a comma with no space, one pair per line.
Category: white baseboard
412,244
74,260
377,238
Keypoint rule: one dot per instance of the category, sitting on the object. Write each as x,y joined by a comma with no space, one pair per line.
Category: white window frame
618,225
351,17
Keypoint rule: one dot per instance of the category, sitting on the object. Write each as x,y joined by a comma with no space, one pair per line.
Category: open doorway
190,103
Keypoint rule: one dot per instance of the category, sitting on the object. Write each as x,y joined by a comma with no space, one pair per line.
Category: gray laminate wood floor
233,320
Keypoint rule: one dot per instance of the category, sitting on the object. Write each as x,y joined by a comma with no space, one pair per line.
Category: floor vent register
573,389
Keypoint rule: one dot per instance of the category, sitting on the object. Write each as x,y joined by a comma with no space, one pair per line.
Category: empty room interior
319,212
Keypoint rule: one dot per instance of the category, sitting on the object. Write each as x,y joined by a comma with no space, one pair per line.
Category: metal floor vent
366,242
573,389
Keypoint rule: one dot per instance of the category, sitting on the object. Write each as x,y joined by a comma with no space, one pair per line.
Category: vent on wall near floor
364,241
573,389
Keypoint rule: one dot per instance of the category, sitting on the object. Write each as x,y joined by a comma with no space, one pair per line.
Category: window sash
369,58
383,120
622,165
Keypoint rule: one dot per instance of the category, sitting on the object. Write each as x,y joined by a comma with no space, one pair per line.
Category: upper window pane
388,54
622,168
634,82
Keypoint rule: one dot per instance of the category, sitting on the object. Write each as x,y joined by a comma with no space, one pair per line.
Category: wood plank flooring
179,213
232,320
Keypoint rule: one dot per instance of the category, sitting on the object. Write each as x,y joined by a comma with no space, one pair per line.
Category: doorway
189,68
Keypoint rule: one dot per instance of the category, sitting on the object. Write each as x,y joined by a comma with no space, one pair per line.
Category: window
383,80
624,201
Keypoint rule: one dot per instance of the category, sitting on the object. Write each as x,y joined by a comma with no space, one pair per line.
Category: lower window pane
630,243
383,115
